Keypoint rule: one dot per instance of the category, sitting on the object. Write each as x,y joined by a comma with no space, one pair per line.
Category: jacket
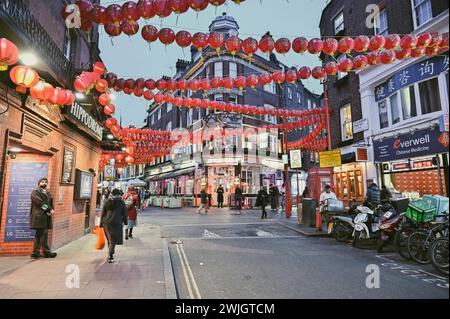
203,196
112,220
132,209
373,195
262,198
38,217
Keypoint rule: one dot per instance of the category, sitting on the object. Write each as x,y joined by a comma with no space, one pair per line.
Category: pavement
142,270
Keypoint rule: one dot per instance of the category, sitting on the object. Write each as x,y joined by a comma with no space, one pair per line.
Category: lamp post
287,186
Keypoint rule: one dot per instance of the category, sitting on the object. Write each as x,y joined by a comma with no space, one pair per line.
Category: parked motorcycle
366,224
341,226
389,224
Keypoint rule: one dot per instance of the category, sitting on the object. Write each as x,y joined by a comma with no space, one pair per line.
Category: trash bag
101,238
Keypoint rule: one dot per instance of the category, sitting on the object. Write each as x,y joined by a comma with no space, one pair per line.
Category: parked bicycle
438,254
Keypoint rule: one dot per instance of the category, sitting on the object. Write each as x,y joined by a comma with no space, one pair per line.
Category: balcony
17,16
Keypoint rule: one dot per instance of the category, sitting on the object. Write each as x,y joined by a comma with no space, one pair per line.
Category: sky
131,57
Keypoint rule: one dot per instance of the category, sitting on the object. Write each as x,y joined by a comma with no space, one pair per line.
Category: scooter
341,226
366,225
389,224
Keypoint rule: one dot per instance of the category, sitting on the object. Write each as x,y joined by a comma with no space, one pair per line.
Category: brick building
37,140
348,124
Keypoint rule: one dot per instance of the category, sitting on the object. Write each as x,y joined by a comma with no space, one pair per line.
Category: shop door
87,217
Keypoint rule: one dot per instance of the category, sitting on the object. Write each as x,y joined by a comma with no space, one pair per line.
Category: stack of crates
421,210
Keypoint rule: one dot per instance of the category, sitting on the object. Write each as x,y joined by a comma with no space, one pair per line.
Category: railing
21,18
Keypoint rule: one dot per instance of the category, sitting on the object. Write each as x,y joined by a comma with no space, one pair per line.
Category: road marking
221,224
183,266
240,237
381,257
194,283
262,233
418,269
208,234
428,273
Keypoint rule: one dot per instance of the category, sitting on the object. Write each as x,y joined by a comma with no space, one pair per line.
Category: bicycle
438,254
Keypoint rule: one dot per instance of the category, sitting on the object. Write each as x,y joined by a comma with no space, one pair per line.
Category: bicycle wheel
401,242
418,247
439,254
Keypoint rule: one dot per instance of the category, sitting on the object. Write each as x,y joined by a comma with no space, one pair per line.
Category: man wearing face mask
41,219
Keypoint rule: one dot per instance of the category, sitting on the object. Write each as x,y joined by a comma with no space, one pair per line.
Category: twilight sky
131,56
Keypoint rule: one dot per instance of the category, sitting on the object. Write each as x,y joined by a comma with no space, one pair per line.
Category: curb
317,234
171,291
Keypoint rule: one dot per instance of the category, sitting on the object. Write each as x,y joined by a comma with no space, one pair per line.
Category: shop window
381,24
383,114
395,113
339,22
218,69
190,115
430,100
408,98
169,107
346,121
270,118
233,70
299,98
422,12
271,88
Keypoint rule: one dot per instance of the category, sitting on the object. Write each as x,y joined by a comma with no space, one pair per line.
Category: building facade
240,161
38,140
351,120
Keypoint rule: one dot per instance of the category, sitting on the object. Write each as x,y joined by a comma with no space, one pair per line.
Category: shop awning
173,174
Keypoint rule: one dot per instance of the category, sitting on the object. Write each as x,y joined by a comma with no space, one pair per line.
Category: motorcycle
366,224
389,224
341,226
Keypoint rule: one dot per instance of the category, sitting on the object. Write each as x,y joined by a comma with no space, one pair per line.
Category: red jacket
132,211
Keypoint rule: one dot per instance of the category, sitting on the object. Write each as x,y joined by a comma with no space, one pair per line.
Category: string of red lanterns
295,125
308,140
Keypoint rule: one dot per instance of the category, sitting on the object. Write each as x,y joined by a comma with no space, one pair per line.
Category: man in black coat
261,200
42,210
220,192
274,193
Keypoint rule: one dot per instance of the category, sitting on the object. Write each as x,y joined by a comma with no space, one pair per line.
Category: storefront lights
29,59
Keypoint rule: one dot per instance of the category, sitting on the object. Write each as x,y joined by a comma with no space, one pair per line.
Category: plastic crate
419,211
440,202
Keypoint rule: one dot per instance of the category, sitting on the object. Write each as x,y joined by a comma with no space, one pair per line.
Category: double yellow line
191,284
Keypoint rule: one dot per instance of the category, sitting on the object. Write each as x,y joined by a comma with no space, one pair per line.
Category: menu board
67,166
24,177
84,182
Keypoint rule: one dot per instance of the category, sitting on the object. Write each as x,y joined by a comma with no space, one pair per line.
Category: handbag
101,238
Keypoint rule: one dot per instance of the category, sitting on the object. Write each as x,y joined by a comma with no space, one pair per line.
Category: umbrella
137,182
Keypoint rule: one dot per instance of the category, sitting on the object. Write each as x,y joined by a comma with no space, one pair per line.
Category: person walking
274,193
114,216
204,200
131,202
220,192
261,201
373,194
42,210
238,198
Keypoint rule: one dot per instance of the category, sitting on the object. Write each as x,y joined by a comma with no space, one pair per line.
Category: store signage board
362,155
109,172
296,158
285,159
422,143
84,121
22,181
443,123
412,74
330,159
360,126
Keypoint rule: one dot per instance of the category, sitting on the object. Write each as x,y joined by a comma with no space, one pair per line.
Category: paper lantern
145,9
266,44
182,85
198,5
166,36
149,33
111,78
130,27
216,82
346,45
24,77
101,86
9,54
403,54
418,52
387,56
159,98
110,122
373,58
97,14
240,82
361,43
161,8
200,41
250,46
171,85
114,13
194,85
345,65
161,84
423,40
265,78
283,46
113,29
304,73
291,76
377,42
183,39
148,95
104,99
392,41
315,46
58,97
130,11
279,77
42,91
216,41
318,72
150,84
331,68
330,46
179,6
300,45
233,44
408,41
109,109
228,83
360,62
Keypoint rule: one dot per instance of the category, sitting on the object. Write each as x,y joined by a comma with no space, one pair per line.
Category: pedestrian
373,194
99,198
204,200
220,192
283,198
114,216
238,198
325,195
305,193
385,194
138,193
131,202
42,210
274,193
261,200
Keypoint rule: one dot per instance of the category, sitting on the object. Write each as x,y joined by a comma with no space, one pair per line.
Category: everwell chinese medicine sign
425,142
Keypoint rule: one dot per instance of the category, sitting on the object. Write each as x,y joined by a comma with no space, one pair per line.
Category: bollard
318,221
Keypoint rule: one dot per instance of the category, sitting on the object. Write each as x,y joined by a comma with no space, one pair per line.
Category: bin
309,212
420,210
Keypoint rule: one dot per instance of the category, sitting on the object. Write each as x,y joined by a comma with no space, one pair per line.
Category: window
381,24
189,116
339,22
159,114
67,44
299,98
232,99
395,113
408,102
347,124
152,119
169,126
309,103
429,96
218,69
233,70
271,88
218,97
383,114
169,107
290,93
422,12
270,118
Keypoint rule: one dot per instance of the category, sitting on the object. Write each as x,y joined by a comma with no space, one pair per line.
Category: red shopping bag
101,238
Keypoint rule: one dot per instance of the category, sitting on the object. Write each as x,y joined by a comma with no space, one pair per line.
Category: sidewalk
142,270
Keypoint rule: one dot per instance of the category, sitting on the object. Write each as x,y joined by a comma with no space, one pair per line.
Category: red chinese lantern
179,6
330,46
279,77
283,46
205,85
331,68
376,43
161,84
315,46
129,160
168,98
70,98
101,86
373,58
360,62
403,54
318,73
166,36
362,43
149,33
233,44
138,92
140,83
24,77
159,98
228,83
150,84
109,109
114,13
145,9
58,97
130,84
81,83
216,40
436,40
119,84
240,82
42,91
216,82
392,41
130,27
423,40
291,76
130,11
304,73
198,5
184,39
266,44
345,65
98,14
161,8
409,41
9,54
252,81
346,45
417,52
182,85
444,42
148,95
110,122
200,41
111,78
430,51
217,3
250,46
104,99
300,45
113,29
120,156
194,85
171,85
387,56
265,78
178,101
